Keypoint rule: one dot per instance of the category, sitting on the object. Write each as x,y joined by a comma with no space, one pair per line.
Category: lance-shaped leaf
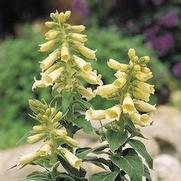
104,176
141,149
130,163
116,139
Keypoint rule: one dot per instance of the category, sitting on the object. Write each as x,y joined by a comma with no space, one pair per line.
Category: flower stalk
67,71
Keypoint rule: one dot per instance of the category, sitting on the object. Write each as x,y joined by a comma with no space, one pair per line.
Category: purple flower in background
169,19
177,69
81,7
157,2
163,43
152,31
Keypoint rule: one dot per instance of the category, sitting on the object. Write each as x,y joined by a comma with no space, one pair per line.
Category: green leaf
67,98
38,176
130,163
104,176
98,161
132,129
82,153
141,149
75,173
65,176
116,139
147,173
84,124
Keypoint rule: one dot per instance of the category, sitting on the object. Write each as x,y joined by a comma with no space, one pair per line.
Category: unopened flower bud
57,117
131,53
46,46
50,24
35,138
39,128
67,15
61,17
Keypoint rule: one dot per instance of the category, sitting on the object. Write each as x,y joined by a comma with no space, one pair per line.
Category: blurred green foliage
19,64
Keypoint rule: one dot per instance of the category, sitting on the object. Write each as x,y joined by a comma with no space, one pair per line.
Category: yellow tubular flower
146,120
143,76
45,149
78,37
65,53
113,113
35,138
128,105
70,157
144,86
143,106
52,34
91,77
70,141
78,28
120,74
116,65
87,52
26,159
49,60
141,120
92,115
40,84
53,76
120,82
106,91
60,133
139,94
82,64
46,46
86,93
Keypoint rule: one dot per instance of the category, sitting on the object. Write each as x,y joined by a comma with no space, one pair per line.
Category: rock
9,158
166,130
167,168
151,146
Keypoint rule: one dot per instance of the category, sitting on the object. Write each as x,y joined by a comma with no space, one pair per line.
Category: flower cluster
64,69
129,89
49,131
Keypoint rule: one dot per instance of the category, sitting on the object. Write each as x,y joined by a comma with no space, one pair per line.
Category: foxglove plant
66,71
